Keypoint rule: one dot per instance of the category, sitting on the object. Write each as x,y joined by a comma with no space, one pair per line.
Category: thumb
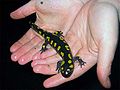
24,11
106,55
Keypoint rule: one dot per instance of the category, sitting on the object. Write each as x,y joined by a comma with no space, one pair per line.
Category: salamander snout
67,72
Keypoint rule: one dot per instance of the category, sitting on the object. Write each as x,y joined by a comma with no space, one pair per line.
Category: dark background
16,77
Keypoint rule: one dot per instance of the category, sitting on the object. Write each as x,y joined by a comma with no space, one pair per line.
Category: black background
16,77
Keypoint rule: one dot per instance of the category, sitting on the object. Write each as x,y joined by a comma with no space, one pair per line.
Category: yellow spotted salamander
56,40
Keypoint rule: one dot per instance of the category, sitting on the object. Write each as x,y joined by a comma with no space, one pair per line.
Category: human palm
87,39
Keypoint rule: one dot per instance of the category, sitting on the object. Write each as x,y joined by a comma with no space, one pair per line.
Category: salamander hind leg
34,26
59,66
79,60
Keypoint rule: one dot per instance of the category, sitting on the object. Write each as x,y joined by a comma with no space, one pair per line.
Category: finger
106,34
25,39
27,57
46,54
25,48
58,79
47,69
50,60
106,55
24,11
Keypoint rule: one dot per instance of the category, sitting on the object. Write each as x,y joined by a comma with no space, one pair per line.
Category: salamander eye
67,72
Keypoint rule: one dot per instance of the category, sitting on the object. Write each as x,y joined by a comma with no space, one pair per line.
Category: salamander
56,40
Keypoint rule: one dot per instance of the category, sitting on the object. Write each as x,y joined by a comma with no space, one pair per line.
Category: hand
91,45
48,19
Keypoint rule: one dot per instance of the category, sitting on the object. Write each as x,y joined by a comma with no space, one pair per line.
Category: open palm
91,35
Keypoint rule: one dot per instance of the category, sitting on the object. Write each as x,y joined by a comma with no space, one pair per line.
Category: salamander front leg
58,66
79,60
59,33
44,47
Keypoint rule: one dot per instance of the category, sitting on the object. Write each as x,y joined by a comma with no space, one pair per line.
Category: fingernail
36,69
33,64
108,83
14,57
21,61
35,57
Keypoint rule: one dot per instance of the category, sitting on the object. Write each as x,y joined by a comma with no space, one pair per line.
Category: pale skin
90,28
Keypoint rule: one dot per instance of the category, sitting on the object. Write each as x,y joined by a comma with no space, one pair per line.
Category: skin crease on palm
90,28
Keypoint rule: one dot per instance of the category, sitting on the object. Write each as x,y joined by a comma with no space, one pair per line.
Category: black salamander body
56,40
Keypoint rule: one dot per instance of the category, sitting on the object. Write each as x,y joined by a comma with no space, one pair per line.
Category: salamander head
67,71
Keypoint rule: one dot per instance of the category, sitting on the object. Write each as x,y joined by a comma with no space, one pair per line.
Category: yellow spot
63,62
71,66
61,32
56,32
51,42
62,71
48,38
53,34
43,35
58,48
40,32
43,46
69,56
69,61
67,47
62,54
61,38
55,44
62,68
